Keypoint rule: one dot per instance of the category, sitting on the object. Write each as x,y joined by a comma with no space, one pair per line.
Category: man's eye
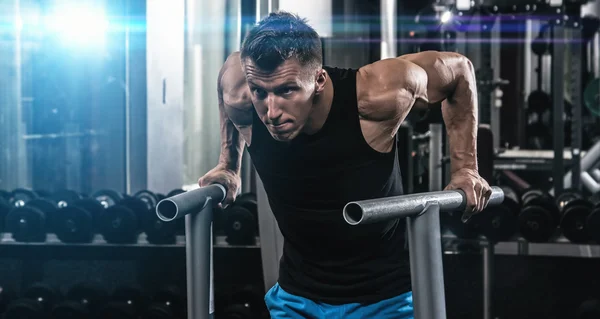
286,91
259,93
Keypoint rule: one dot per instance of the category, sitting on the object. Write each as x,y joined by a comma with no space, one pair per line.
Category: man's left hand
475,187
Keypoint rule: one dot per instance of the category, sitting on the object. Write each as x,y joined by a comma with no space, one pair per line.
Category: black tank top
308,181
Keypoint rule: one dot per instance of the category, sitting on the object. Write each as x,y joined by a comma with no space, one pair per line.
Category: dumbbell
126,302
244,303
180,222
82,302
4,209
593,220
240,221
107,197
65,197
5,194
539,216
31,222
589,309
76,222
574,210
6,297
500,223
452,222
157,231
123,222
20,196
167,303
36,303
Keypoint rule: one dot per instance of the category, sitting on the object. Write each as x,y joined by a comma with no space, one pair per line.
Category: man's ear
320,80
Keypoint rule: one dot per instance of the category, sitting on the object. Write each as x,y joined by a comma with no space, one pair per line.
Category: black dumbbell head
20,196
131,295
5,195
148,197
92,206
239,226
70,309
500,222
26,224
107,197
118,225
65,197
592,224
92,295
574,219
117,310
25,308
452,222
567,196
74,225
45,294
4,209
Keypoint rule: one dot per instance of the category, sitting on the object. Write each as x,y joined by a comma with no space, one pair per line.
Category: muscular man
320,137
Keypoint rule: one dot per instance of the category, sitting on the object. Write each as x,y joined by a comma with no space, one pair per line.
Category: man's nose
273,111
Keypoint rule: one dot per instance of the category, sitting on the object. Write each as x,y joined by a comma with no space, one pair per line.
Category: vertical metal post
558,56
427,271
199,270
435,157
576,101
389,44
488,279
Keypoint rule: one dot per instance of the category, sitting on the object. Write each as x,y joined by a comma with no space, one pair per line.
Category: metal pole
558,57
591,157
596,174
198,251
427,274
198,231
435,157
388,29
488,280
576,100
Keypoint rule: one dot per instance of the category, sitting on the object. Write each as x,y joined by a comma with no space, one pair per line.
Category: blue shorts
283,305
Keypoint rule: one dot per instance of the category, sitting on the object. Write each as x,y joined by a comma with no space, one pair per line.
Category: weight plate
46,206
93,295
175,192
573,223
107,197
70,309
74,225
595,200
5,195
536,224
25,308
43,193
567,196
499,223
20,196
4,209
591,96
452,222
239,226
530,194
118,225
65,197
44,294
26,224
148,197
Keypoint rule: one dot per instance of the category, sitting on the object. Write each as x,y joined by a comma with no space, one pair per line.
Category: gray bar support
435,157
558,68
427,271
488,280
595,174
197,208
591,157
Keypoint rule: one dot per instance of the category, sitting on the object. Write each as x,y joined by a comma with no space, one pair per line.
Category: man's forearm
460,116
232,143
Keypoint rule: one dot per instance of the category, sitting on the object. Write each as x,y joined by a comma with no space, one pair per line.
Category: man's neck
320,110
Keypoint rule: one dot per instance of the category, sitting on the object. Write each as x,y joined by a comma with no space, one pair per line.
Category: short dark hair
281,36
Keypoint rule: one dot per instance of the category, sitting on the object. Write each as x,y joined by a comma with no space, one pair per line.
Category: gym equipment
423,231
180,223
589,309
36,303
107,197
157,231
20,196
122,223
539,216
6,297
593,221
65,197
591,96
500,222
82,302
75,223
245,303
575,211
199,205
131,295
5,195
4,209
452,221
117,310
240,222
167,303
31,222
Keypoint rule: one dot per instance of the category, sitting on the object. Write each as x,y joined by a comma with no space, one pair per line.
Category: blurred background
107,107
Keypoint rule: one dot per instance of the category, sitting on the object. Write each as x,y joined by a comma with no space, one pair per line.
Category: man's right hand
226,177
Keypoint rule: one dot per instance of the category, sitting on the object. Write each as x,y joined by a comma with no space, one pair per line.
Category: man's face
283,98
